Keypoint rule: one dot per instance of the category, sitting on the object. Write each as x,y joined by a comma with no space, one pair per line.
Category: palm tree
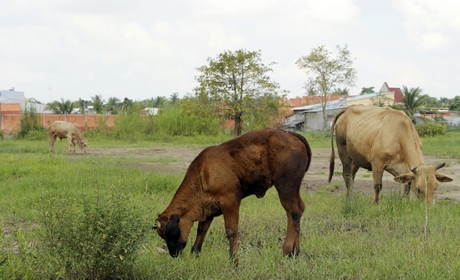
63,107
174,98
159,101
413,101
98,103
113,104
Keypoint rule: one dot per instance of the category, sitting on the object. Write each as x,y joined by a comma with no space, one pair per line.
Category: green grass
340,238
447,146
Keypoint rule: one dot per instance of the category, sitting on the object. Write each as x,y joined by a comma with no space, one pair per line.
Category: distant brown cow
67,130
381,139
221,176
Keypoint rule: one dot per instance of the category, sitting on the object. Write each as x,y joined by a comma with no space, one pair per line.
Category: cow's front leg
52,141
407,187
70,142
231,216
377,174
201,234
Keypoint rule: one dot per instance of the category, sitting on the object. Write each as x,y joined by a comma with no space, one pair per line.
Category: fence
9,123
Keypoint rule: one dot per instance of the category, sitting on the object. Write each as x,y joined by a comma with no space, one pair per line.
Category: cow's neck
413,153
186,203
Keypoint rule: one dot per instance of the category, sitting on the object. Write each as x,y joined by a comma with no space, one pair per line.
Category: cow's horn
441,165
414,169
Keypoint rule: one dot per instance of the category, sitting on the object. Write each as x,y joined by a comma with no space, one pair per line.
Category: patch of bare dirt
177,160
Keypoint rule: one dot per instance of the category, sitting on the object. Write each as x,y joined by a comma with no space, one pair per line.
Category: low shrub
88,236
36,135
431,129
30,124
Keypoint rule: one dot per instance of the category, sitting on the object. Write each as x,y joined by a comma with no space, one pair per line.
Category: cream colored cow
67,130
382,139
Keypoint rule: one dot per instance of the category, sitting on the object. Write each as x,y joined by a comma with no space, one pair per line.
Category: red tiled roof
310,100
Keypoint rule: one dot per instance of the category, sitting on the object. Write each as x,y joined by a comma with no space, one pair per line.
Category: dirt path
177,160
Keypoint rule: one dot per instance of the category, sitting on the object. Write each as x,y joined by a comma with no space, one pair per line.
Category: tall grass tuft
353,205
29,126
88,236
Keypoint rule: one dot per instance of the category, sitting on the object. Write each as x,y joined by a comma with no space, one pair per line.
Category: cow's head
83,144
424,180
168,229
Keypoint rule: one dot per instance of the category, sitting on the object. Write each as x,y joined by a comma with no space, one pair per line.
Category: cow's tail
332,159
307,146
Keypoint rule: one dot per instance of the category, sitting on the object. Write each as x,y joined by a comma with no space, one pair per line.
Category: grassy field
340,239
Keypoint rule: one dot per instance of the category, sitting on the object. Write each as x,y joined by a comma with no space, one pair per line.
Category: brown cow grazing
67,130
381,139
221,176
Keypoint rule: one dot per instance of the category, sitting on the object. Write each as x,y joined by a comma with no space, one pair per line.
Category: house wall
387,99
12,94
9,123
315,120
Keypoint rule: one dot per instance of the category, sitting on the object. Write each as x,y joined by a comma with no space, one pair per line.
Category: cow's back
369,133
268,153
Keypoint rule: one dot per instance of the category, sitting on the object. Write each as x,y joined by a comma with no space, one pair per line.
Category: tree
98,103
127,105
367,90
445,102
431,103
327,73
455,104
62,107
342,92
174,98
237,83
413,101
159,101
82,104
113,103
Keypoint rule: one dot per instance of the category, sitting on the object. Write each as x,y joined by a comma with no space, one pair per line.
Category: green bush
1,134
30,121
170,122
88,236
431,129
36,135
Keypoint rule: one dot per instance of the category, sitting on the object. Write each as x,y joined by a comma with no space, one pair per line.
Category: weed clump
89,236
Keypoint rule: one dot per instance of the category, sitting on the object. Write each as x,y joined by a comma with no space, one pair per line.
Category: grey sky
144,49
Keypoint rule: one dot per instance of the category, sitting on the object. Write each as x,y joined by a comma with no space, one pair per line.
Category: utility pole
51,94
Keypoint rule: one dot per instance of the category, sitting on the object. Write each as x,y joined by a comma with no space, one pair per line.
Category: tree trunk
323,107
238,127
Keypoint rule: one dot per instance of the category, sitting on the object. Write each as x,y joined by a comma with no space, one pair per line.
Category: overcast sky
145,49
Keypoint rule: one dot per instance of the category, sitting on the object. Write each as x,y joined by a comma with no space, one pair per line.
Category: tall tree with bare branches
326,73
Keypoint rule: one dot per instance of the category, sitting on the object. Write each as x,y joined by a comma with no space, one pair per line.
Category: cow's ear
404,178
442,177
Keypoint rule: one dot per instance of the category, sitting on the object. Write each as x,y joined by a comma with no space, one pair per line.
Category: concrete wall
9,123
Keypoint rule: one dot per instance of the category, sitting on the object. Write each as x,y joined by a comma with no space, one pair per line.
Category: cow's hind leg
201,234
349,171
289,196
